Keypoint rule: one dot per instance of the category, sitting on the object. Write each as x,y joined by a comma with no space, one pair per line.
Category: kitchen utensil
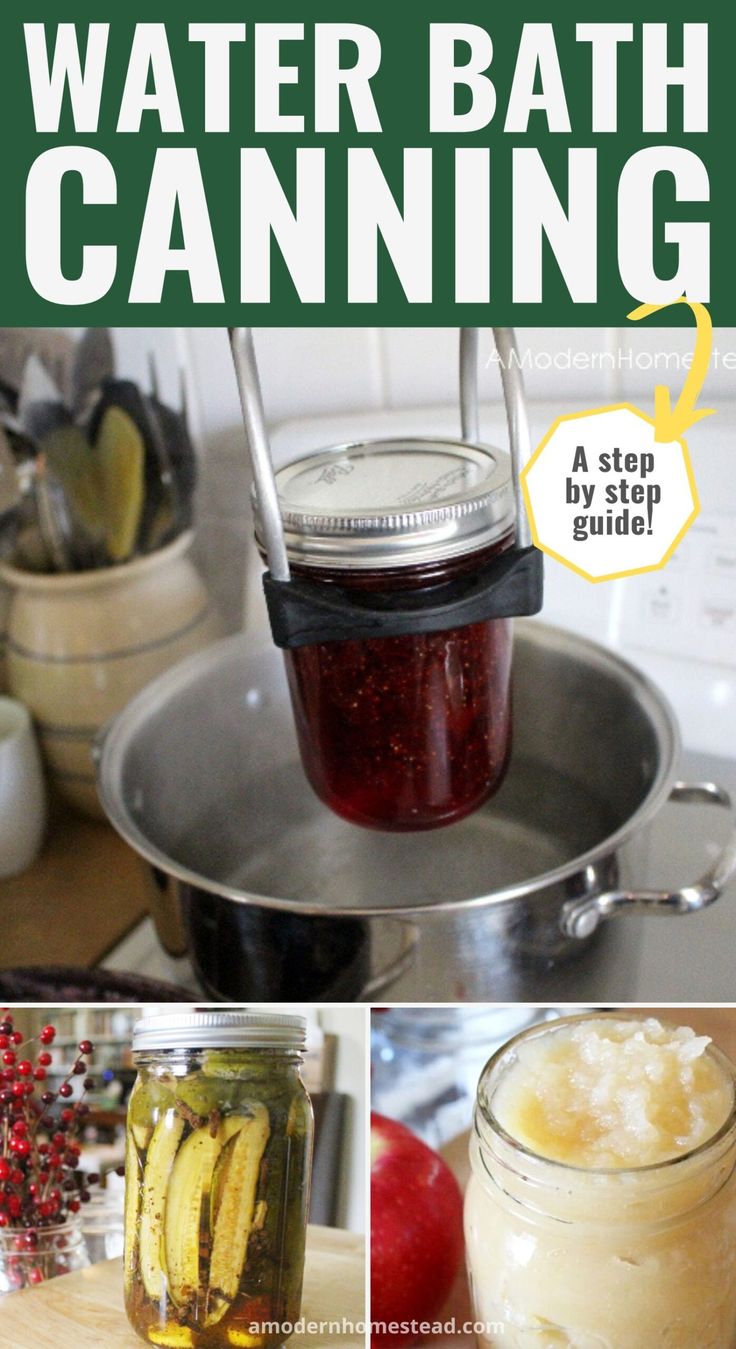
69,499
9,489
40,406
120,454
93,362
22,792
174,428
103,470
159,517
55,347
54,519
394,567
18,501
201,774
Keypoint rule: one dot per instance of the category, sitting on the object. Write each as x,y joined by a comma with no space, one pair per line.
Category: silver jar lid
220,1030
393,503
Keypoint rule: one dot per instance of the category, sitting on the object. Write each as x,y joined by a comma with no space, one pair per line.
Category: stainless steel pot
279,898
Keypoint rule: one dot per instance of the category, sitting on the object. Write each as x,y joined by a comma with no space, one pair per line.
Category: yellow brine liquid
601,1213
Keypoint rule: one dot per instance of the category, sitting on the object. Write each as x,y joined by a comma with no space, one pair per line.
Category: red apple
416,1231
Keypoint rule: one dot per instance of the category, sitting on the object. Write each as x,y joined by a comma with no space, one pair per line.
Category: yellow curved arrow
671,424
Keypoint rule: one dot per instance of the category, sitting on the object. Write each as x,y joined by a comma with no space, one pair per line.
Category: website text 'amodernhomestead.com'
341,1328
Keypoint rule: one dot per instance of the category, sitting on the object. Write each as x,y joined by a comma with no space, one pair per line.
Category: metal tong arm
251,401
581,917
515,404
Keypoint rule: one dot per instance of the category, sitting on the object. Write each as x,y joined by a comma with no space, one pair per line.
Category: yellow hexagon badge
605,497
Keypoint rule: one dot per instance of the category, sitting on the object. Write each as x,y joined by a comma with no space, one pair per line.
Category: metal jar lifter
282,899
394,567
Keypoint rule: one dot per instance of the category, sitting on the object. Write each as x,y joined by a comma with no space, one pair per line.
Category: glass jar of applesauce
408,731
218,1159
601,1211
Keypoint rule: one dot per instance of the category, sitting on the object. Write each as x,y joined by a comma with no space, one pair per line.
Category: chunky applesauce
613,1093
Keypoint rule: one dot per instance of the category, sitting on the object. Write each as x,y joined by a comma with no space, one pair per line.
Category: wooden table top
85,1310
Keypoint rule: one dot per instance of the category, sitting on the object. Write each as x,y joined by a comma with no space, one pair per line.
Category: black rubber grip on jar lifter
303,612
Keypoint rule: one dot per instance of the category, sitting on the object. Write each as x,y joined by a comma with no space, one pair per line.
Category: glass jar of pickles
410,730
218,1160
601,1211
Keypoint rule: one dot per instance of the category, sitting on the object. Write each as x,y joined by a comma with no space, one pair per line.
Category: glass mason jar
57,1250
411,731
630,1258
218,1159
425,1062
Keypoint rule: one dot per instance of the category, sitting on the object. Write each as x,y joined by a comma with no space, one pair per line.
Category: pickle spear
172,1337
218,1180
190,1179
132,1196
233,1223
188,1198
159,1163
148,1103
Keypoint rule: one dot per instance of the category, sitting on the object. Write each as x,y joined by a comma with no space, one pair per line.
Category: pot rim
95,577
113,739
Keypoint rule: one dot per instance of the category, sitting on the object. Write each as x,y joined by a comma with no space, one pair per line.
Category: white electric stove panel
688,609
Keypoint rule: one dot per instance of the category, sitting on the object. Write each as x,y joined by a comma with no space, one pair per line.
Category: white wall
306,371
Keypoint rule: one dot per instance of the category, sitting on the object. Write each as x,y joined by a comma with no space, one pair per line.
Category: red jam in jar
404,732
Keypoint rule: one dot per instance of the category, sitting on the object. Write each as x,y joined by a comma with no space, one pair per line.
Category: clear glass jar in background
102,1221
57,1250
426,1061
639,1258
218,1160
411,731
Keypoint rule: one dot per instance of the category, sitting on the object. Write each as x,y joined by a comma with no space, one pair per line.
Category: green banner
365,164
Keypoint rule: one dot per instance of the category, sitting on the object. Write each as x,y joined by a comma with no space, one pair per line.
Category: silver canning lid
393,503
220,1030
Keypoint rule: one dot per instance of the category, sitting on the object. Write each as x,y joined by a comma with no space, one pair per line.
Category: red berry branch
39,1151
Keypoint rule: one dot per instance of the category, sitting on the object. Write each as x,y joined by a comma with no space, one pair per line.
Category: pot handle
581,917
400,963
